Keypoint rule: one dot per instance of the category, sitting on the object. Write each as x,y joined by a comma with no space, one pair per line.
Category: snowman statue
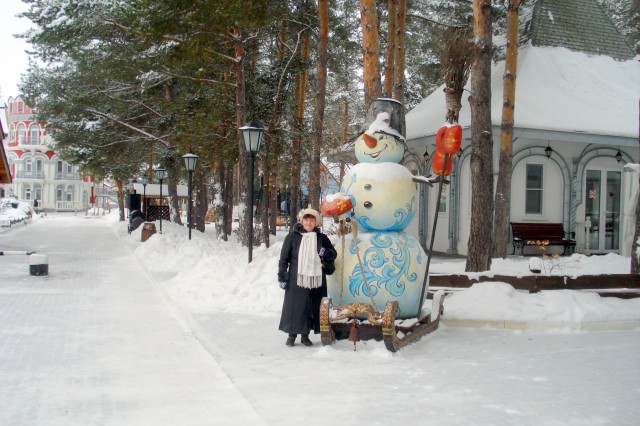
378,262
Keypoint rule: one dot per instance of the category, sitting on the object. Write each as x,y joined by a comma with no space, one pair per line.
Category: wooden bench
527,233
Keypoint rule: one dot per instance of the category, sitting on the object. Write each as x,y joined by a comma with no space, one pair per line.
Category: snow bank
204,275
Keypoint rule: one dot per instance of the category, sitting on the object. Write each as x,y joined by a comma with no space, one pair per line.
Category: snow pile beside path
495,301
205,275
14,210
571,266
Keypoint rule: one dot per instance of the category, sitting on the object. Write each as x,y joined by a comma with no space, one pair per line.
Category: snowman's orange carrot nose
370,141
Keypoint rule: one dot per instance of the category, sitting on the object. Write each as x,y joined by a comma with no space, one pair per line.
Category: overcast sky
14,58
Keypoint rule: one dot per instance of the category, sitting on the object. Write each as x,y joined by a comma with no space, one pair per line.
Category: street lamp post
161,174
252,134
145,181
190,161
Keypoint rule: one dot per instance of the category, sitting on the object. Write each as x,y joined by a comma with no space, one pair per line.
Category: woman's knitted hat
309,212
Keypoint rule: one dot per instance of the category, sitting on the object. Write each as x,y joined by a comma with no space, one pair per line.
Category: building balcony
67,176
23,174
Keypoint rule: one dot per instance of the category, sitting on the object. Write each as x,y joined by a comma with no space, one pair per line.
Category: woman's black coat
301,306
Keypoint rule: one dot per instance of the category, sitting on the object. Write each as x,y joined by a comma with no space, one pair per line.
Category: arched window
34,134
21,134
12,133
39,166
37,192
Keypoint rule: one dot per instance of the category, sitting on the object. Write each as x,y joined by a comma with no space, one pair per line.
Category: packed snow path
93,343
100,341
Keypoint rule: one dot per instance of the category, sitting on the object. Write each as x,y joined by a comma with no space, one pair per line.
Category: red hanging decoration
437,163
337,205
439,138
452,139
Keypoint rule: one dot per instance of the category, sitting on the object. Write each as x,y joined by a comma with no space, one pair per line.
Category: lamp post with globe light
252,134
190,161
160,174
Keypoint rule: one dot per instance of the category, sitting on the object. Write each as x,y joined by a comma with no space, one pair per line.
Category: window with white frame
442,208
12,133
21,134
33,134
534,189
28,165
27,193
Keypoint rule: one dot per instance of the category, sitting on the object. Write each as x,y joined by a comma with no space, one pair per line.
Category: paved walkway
94,344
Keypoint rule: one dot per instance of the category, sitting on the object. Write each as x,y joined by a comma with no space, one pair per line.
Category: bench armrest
518,235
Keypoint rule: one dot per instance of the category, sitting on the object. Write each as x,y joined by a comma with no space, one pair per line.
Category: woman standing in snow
307,256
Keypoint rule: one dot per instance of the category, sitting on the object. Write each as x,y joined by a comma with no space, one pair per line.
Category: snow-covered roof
557,90
580,25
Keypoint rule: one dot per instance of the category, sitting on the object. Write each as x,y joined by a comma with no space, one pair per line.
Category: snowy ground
173,331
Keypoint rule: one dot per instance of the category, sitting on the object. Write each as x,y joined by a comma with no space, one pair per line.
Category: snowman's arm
424,180
428,180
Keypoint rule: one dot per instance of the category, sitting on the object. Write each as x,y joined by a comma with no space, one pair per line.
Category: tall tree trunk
200,199
172,164
271,202
298,123
481,235
318,112
503,187
635,262
370,51
399,82
389,68
345,131
227,199
119,187
243,157
218,200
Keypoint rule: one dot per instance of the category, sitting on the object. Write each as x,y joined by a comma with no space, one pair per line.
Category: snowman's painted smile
376,154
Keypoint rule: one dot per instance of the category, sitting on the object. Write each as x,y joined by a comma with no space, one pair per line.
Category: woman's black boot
291,339
305,340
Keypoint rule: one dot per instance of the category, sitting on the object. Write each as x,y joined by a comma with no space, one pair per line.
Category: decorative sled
342,322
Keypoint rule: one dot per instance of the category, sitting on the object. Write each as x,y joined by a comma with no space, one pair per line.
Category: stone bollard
38,264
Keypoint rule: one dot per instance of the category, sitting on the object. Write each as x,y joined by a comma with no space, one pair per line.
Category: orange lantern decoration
437,163
452,139
336,205
439,137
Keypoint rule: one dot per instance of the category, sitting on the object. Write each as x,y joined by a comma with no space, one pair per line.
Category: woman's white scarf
309,264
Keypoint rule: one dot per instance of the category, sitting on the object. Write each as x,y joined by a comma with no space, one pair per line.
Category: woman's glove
284,285
323,253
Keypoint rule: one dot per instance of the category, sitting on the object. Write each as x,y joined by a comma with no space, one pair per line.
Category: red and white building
37,171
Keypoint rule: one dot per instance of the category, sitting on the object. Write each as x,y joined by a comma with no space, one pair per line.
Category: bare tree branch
160,139
424,18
